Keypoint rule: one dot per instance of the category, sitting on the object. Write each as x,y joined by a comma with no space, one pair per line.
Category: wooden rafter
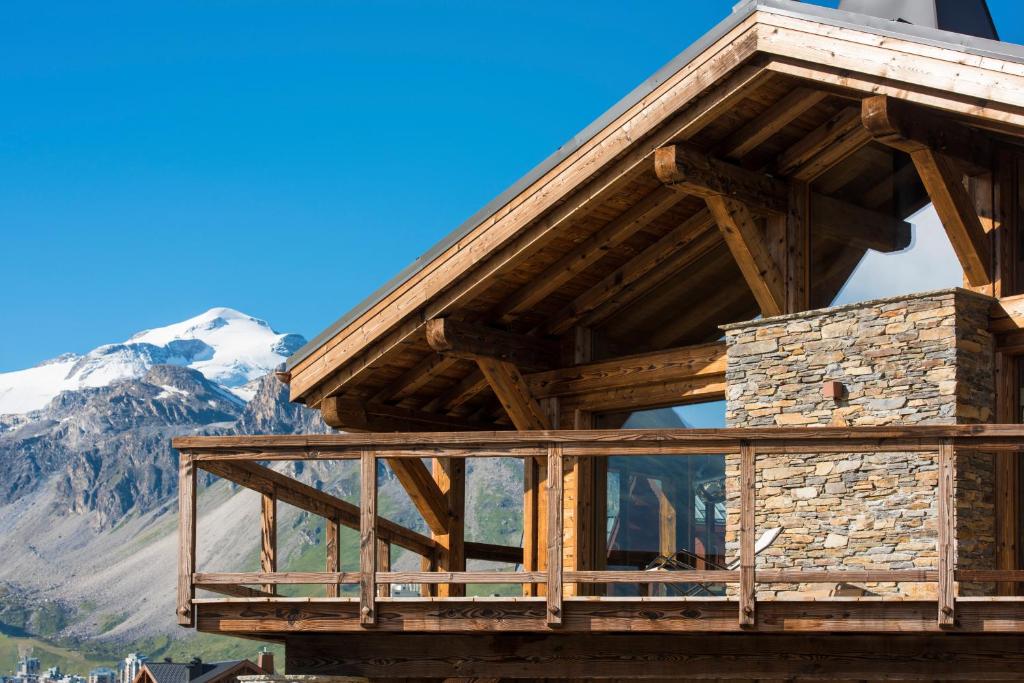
589,251
470,342
746,241
354,415
890,124
777,117
413,379
823,148
424,492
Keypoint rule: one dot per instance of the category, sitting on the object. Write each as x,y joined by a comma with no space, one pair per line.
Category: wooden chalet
687,248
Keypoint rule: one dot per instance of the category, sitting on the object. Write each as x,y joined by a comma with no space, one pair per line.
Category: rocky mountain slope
88,508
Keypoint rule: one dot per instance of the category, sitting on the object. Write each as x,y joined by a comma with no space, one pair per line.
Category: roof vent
970,17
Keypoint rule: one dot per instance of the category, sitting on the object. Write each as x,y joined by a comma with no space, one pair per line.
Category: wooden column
368,538
383,565
450,476
554,537
798,248
332,543
947,535
268,547
747,559
186,538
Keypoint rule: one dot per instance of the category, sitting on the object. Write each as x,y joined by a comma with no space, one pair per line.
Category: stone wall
925,358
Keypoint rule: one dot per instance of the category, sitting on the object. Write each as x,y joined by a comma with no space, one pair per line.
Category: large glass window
665,508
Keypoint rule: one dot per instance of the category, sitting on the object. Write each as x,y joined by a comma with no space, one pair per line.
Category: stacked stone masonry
920,359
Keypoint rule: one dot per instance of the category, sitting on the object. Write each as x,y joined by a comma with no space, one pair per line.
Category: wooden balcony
251,607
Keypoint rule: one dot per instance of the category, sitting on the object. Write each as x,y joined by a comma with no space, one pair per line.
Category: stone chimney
265,660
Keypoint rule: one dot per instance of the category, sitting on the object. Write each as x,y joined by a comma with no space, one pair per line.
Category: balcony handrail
236,456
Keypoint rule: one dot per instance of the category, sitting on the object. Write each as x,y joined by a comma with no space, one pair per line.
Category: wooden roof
607,239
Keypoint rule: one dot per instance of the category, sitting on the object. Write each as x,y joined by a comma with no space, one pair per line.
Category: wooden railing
236,459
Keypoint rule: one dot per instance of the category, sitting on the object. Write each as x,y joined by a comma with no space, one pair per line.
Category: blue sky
282,158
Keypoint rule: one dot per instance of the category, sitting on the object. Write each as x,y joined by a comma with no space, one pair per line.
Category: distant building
28,666
130,667
102,675
198,671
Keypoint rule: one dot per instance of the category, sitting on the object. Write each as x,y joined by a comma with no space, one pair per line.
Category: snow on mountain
226,346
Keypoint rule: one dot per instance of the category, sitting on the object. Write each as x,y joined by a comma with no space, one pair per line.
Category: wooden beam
268,528
471,342
823,148
414,379
858,226
773,120
368,538
514,394
911,128
263,480
798,247
746,241
456,396
588,252
424,492
633,371
332,544
186,538
493,553
354,415
688,169
944,183
555,535
449,475
748,580
946,534
622,657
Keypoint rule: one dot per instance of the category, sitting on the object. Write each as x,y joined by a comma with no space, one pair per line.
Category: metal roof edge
979,46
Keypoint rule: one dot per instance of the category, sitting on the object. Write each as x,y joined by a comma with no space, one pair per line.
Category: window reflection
665,506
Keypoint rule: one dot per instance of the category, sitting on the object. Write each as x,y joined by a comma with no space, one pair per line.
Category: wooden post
450,476
747,584
268,548
946,534
368,537
798,248
186,539
333,545
383,565
554,540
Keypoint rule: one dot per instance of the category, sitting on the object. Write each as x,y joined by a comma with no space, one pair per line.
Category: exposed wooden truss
472,342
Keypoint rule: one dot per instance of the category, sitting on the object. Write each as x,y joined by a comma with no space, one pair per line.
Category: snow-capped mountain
229,348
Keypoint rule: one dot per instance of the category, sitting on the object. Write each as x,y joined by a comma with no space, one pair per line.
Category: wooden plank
857,226
554,532
262,616
276,578
423,491
268,529
946,523
461,578
748,579
186,538
472,341
332,543
823,148
747,244
626,657
687,169
354,415
305,497
588,252
368,538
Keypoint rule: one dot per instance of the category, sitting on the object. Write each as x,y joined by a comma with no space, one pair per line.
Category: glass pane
666,510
